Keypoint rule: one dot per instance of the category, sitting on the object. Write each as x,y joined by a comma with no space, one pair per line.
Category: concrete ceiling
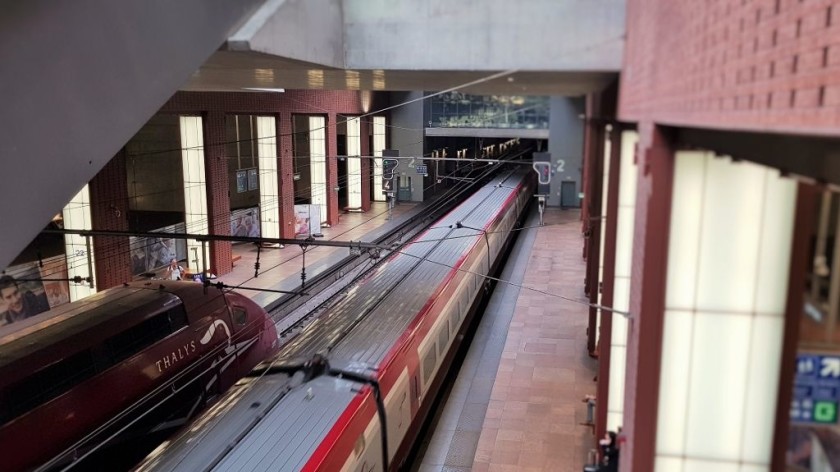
228,71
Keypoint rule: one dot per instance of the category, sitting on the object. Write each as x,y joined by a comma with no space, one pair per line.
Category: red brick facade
109,211
214,107
218,201
767,65
655,156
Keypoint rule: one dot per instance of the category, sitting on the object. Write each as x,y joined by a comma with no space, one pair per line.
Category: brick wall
214,106
647,297
737,64
109,211
218,185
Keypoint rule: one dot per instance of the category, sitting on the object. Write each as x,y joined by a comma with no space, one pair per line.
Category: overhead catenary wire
326,126
149,242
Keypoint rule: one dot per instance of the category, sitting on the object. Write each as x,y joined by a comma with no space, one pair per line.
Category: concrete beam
79,79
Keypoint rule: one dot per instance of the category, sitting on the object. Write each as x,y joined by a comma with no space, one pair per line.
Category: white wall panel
764,357
775,245
684,242
354,164
318,162
77,216
378,146
605,192
715,413
731,217
195,189
694,465
728,264
269,187
671,464
621,283
670,429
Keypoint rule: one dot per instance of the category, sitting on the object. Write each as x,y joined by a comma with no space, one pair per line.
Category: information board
816,390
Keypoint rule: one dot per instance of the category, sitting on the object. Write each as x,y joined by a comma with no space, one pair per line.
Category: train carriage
372,361
94,371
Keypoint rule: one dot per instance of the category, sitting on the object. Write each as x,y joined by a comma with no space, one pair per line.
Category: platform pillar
365,128
286,175
109,211
218,197
332,169
646,300
608,255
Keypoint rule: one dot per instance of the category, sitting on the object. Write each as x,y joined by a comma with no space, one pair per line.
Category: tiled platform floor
284,264
527,369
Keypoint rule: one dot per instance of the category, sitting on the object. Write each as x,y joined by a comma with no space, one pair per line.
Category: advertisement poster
253,179
813,449
22,292
245,222
814,441
149,254
241,181
57,290
307,221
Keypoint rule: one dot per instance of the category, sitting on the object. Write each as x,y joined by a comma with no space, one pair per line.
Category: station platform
280,268
516,404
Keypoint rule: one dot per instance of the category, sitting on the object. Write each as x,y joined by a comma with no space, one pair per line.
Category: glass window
240,316
46,384
458,110
429,365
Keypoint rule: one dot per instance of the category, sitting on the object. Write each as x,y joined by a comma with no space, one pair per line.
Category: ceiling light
264,89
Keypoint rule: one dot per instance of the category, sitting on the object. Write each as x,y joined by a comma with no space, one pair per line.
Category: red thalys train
126,358
372,361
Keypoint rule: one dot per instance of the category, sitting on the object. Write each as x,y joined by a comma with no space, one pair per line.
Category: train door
243,337
568,195
404,190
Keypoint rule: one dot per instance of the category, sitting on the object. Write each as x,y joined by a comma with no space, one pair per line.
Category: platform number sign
816,391
389,167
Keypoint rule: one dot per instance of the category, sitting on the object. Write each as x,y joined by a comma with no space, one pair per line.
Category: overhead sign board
816,390
542,166
388,168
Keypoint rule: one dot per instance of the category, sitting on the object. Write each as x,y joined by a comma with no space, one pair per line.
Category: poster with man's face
26,297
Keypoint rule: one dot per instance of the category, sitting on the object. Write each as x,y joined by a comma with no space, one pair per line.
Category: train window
465,304
240,316
46,384
429,365
443,338
133,340
177,318
359,447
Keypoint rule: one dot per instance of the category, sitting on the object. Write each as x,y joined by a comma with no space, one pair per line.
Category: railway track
292,312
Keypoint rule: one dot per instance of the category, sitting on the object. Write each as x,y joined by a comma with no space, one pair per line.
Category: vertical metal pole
89,260
303,270
204,272
822,240
487,240
834,287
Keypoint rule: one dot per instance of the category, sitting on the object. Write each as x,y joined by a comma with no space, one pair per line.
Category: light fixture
264,89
